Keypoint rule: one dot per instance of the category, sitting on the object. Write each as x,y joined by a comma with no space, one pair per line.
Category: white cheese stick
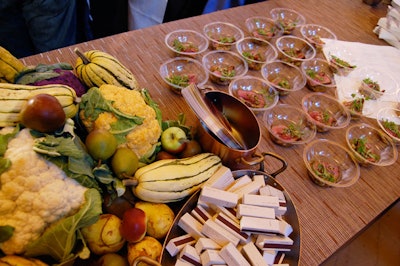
230,212
274,242
261,200
218,197
176,244
250,188
232,256
241,181
211,257
255,211
189,254
259,225
285,228
253,255
219,234
180,262
260,179
221,179
269,190
232,226
269,256
205,243
190,225
201,214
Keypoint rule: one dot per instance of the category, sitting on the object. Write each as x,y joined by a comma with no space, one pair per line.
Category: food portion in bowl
179,72
224,66
370,89
341,66
294,50
370,146
288,125
389,121
256,52
186,42
222,35
355,106
320,77
315,34
284,77
254,92
325,111
330,164
263,28
287,18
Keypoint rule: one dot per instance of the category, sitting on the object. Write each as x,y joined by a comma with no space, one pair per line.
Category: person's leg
52,23
14,34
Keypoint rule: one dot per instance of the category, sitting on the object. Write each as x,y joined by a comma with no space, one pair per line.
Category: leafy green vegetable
59,240
6,232
4,139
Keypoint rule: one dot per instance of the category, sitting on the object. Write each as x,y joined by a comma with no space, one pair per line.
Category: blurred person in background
29,27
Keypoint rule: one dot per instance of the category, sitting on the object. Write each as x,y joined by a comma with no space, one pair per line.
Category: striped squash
95,68
172,180
14,96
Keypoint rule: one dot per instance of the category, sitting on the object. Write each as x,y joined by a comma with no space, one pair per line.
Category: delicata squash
10,66
95,68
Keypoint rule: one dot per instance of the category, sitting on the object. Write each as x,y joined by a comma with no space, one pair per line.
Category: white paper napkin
380,63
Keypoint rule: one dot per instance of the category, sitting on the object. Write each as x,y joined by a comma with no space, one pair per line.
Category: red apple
173,140
161,155
44,113
134,225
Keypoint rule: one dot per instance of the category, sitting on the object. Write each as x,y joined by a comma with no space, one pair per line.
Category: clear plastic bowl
329,164
256,52
389,121
284,77
224,66
255,92
288,125
222,35
186,42
287,18
178,72
318,72
294,50
370,145
263,28
314,34
325,111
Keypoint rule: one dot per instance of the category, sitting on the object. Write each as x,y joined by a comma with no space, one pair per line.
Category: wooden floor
378,245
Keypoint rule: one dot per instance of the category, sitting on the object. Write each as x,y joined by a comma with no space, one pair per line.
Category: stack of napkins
379,62
388,27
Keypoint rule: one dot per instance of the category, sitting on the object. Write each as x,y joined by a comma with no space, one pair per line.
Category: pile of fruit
139,163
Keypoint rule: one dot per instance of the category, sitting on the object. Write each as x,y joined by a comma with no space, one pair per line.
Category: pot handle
259,159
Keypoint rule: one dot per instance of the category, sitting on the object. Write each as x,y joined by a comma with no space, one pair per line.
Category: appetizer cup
179,72
186,42
374,84
294,50
224,66
288,19
284,77
288,125
256,52
255,92
329,164
222,35
320,77
370,145
389,121
263,28
341,61
325,111
314,34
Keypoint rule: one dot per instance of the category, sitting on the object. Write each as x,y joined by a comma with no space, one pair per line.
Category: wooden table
329,217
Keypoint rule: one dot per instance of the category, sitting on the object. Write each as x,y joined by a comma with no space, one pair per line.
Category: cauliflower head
142,137
34,193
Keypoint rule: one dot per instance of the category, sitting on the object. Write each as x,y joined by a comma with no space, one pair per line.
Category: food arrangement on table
140,188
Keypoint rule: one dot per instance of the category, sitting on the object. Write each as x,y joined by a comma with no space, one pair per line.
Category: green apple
173,140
